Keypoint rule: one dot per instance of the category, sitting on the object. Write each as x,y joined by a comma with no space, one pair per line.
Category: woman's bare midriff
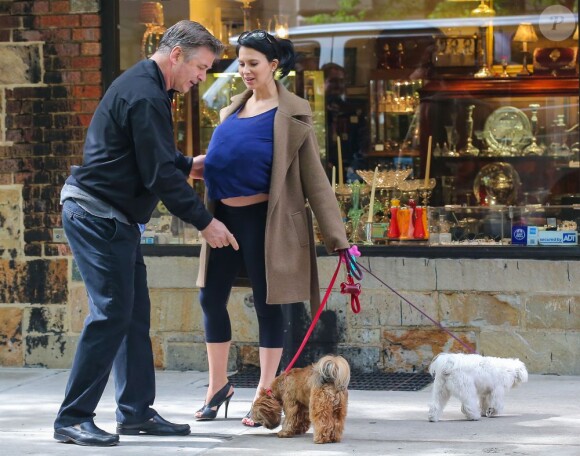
239,201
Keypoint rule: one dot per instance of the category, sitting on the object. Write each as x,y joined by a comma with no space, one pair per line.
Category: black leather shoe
86,434
154,426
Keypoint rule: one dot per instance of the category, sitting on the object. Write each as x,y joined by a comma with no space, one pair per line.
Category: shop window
458,107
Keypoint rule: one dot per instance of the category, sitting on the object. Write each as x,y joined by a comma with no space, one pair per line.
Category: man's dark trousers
116,331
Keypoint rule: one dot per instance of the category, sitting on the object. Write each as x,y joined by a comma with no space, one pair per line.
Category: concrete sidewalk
542,417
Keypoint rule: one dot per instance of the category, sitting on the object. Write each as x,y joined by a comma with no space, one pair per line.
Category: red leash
350,287
353,271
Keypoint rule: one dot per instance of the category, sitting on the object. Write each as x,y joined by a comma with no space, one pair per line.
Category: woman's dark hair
272,47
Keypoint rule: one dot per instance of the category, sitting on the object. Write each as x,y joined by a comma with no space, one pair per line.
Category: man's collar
161,79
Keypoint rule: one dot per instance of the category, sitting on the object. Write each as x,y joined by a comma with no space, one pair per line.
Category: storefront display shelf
527,126
549,253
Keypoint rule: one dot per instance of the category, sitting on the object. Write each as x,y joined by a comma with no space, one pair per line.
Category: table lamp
151,14
525,34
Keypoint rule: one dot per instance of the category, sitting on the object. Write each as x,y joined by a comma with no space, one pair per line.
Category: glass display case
383,88
529,225
312,89
502,141
165,228
394,120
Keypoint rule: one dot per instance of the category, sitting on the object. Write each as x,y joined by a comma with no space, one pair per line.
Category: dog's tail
332,369
521,372
442,364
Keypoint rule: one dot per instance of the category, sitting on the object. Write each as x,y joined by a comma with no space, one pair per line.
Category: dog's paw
433,415
490,412
285,434
325,440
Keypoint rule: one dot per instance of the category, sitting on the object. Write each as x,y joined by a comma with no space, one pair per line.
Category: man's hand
197,167
217,235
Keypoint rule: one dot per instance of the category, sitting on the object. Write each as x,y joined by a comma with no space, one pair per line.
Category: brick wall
50,84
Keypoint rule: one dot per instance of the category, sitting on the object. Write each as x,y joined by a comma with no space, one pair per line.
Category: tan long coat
298,178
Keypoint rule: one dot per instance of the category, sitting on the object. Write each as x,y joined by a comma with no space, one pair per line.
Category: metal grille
383,381
377,381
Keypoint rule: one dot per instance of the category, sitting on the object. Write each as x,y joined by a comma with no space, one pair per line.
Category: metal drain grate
383,381
377,381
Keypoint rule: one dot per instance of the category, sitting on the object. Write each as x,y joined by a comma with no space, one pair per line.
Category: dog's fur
315,394
479,382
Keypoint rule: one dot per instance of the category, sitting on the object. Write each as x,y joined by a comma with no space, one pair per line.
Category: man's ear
175,54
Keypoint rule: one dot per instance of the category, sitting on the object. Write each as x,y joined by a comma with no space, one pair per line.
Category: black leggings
248,225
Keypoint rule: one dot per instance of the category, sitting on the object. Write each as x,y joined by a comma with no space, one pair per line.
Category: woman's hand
352,250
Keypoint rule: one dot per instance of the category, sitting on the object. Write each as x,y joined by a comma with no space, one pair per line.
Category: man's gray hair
189,36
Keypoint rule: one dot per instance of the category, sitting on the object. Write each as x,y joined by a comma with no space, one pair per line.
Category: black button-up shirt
130,160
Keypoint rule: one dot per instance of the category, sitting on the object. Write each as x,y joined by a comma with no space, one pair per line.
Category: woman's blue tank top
239,156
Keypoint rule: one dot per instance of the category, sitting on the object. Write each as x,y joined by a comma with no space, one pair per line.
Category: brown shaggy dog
315,394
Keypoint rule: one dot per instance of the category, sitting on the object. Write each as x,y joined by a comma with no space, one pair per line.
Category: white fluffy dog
479,382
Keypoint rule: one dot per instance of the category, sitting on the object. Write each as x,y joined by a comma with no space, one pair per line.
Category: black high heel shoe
207,411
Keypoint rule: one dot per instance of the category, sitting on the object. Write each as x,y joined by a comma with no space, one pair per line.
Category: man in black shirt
130,162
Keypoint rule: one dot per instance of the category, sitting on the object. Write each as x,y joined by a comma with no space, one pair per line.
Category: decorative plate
496,183
507,130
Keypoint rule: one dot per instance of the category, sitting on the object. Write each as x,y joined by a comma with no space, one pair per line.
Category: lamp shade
525,33
151,13
575,36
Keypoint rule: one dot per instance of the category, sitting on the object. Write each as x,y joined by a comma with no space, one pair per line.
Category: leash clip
354,289
350,287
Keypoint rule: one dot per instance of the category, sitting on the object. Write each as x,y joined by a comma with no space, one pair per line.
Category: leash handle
353,271
348,256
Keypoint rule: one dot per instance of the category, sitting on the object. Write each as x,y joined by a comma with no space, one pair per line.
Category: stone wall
528,309
50,83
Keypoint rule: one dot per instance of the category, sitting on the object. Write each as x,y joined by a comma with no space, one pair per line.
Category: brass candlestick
470,149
